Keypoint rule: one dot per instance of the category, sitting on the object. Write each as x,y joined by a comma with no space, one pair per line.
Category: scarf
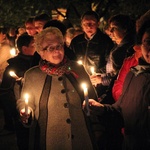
57,70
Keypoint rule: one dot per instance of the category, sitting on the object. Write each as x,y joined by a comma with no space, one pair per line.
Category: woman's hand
25,117
95,107
93,102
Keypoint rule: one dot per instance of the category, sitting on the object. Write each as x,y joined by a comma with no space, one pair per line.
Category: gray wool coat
59,120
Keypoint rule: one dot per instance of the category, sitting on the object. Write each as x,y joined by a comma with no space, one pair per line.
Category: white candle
26,103
12,74
93,71
85,90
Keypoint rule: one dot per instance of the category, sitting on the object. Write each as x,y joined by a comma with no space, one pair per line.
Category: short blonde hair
46,35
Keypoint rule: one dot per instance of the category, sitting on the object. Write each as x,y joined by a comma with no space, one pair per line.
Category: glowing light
13,52
12,74
80,62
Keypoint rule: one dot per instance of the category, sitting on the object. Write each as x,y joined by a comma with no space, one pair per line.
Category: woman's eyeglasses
51,48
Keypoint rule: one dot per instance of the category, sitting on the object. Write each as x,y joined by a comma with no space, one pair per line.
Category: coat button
72,136
63,91
66,105
68,121
60,78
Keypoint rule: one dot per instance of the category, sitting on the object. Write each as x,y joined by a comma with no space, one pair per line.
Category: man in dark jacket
93,46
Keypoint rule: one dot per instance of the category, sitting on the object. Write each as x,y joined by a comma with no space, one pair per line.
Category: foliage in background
14,13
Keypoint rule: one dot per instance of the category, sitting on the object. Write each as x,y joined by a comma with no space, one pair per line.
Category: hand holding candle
93,76
85,89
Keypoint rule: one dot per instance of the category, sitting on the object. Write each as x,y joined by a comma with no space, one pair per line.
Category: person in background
20,30
131,61
56,98
56,23
93,46
40,20
134,103
127,64
11,86
12,36
29,25
5,47
70,34
122,32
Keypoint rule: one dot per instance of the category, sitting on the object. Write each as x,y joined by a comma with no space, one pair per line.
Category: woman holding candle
55,98
134,103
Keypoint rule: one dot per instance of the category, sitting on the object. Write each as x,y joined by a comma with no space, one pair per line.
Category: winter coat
116,58
134,106
19,65
63,125
118,84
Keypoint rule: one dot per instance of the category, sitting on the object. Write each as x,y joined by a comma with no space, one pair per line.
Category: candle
12,74
26,103
85,90
92,71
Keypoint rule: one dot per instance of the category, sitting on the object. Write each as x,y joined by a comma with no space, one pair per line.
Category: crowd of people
41,95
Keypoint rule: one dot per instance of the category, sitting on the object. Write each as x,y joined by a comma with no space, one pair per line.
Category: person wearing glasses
55,98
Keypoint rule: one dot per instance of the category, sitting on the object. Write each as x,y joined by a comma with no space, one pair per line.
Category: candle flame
13,52
12,73
92,70
80,62
26,98
83,85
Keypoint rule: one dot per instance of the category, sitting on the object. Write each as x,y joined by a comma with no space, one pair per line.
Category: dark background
14,13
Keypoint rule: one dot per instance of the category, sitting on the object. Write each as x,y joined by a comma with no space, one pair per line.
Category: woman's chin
56,62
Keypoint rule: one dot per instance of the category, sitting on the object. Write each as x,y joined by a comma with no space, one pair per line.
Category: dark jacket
133,105
19,65
93,52
117,56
